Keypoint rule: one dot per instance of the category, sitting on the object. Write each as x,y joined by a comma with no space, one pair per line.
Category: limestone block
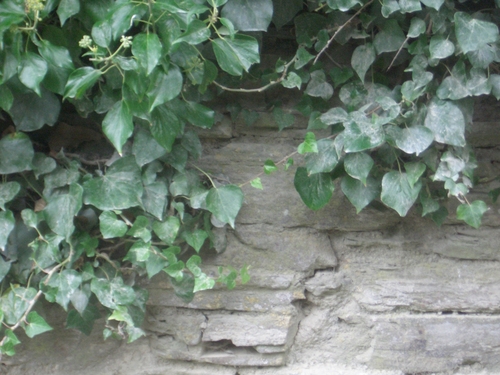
425,343
323,282
271,248
185,325
250,329
233,300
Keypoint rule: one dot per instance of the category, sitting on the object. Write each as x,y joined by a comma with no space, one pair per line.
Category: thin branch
397,53
339,30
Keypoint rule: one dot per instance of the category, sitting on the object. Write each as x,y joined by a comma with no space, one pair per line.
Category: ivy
396,111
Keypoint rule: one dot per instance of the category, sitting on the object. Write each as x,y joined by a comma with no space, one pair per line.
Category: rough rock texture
331,292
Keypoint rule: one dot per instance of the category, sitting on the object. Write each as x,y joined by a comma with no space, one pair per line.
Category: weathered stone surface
249,329
423,343
185,325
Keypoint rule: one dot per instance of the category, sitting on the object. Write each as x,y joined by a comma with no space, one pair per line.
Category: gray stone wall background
331,292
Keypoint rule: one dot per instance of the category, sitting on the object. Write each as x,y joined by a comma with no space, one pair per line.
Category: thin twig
397,53
339,30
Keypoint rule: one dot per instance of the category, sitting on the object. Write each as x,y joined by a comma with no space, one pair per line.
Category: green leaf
245,277
201,280
155,199
292,80
358,165
441,47
62,209
309,144
8,192
249,15
225,203
147,49
318,87
362,58
417,27
120,188
282,118
112,293
334,115
4,270
42,164
32,70
15,303
413,172
102,34
165,127
236,55
472,213
118,125
257,183
360,194
80,81
194,113
36,325
84,322
67,8
341,75
10,341
164,87
361,134
140,228
196,238
146,148
61,286
415,139
342,5
324,160
16,153
6,98
196,33
397,193
155,264
302,58
472,34
56,55
111,226
31,112
167,230
315,190
436,4
447,122
284,11
390,38
184,286
7,223
269,166
139,252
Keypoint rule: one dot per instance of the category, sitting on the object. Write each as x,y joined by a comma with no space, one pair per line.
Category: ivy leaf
112,293
194,113
80,81
315,190
472,213
67,8
360,134
417,27
436,4
302,58
342,5
62,209
397,193
84,322
362,58
390,38
120,188
147,49
167,230
447,122
145,147
31,112
249,15
283,119
472,34
110,226
102,34
164,86
6,98
225,203
360,194
118,125
309,144
196,238
197,32
61,286
236,55
155,199
318,87
334,115
415,139
16,153
36,325
284,11
324,160
155,264
269,166
7,224
292,80
164,127
15,303
358,165
413,172
441,47
32,70
8,192
257,183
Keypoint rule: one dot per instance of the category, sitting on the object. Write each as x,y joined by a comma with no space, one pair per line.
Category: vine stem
339,30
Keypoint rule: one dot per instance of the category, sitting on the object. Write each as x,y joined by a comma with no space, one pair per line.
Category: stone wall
331,292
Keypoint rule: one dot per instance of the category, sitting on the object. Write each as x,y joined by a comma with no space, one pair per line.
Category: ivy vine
76,231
